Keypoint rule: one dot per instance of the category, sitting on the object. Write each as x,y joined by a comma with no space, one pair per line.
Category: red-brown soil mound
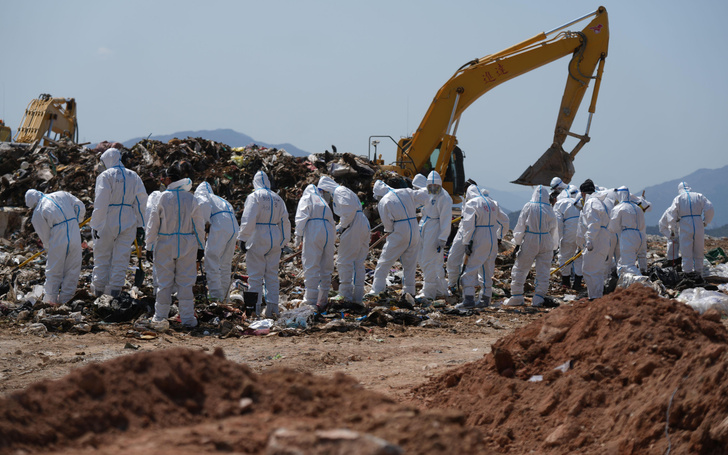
97,406
635,359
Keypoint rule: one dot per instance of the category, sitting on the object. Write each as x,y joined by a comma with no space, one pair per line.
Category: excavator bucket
555,162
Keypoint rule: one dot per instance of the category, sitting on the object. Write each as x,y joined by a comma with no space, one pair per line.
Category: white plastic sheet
702,300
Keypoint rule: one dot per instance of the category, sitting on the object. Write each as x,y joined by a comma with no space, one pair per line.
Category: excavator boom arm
46,115
470,82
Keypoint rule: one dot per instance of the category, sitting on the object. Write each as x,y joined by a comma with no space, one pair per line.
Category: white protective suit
175,232
689,213
55,219
609,198
265,228
628,221
537,233
354,237
483,224
315,224
558,185
567,217
593,235
119,206
221,240
457,248
673,241
152,202
434,232
397,212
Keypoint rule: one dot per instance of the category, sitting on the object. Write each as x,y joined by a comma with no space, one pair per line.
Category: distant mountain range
225,136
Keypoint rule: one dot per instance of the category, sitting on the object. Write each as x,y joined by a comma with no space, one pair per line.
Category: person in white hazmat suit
558,186
536,237
593,235
55,219
175,233
354,236
434,231
397,210
482,230
689,213
567,218
221,239
152,201
119,205
264,229
316,233
673,241
456,253
628,221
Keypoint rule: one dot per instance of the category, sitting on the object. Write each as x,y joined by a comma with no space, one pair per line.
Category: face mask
433,189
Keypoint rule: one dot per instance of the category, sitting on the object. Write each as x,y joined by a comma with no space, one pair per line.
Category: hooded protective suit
220,245
152,202
457,248
434,232
315,223
628,221
483,224
354,236
397,212
689,213
673,241
55,219
119,206
265,228
558,185
175,233
537,233
593,235
567,217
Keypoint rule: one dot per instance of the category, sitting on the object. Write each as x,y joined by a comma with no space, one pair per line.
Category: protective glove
297,241
150,255
589,245
200,254
140,235
500,242
469,248
515,251
441,245
241,245
95,234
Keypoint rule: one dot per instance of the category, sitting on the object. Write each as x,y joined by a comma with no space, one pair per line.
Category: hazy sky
315,73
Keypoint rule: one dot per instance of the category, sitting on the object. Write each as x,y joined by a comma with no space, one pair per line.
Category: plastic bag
297,318
702,300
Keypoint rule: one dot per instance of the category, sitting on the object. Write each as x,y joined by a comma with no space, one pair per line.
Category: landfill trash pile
630,372
185,401
230,173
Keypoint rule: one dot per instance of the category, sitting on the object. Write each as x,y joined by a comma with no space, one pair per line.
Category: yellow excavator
434,145
45,116
5,132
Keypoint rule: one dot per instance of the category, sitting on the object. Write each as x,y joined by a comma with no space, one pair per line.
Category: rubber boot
467,303
566,281
484,302
323,301
577,286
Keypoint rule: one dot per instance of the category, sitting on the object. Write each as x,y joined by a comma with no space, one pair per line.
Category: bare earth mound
634,358
185,401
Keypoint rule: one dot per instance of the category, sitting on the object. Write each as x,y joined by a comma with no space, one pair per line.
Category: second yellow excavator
46,115
434,146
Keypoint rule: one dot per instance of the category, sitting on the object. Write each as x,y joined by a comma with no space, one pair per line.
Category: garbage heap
73,168
628,373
